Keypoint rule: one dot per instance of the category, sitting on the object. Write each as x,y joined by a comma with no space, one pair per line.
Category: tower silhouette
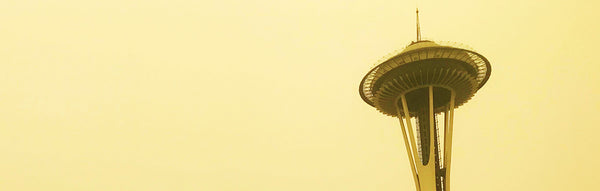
424,82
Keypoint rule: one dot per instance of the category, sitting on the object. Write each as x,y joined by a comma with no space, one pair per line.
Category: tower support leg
432,172
449,120
407,144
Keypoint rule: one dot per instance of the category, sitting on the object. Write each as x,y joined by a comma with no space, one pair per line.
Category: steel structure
424,82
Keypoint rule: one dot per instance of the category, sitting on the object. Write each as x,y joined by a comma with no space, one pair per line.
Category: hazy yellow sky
263,95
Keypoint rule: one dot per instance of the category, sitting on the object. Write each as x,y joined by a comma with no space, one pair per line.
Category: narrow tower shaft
426,148
423,124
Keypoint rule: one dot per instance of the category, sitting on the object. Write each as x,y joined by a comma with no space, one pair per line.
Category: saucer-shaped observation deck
448,69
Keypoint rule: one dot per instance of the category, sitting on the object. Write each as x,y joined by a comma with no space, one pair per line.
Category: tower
422,85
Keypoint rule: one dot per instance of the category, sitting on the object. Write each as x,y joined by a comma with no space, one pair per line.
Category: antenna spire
418,27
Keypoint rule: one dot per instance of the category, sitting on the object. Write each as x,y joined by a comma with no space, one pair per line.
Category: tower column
407,144
426,165
449,117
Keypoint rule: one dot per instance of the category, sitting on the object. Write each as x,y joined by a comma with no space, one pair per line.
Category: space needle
421,86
